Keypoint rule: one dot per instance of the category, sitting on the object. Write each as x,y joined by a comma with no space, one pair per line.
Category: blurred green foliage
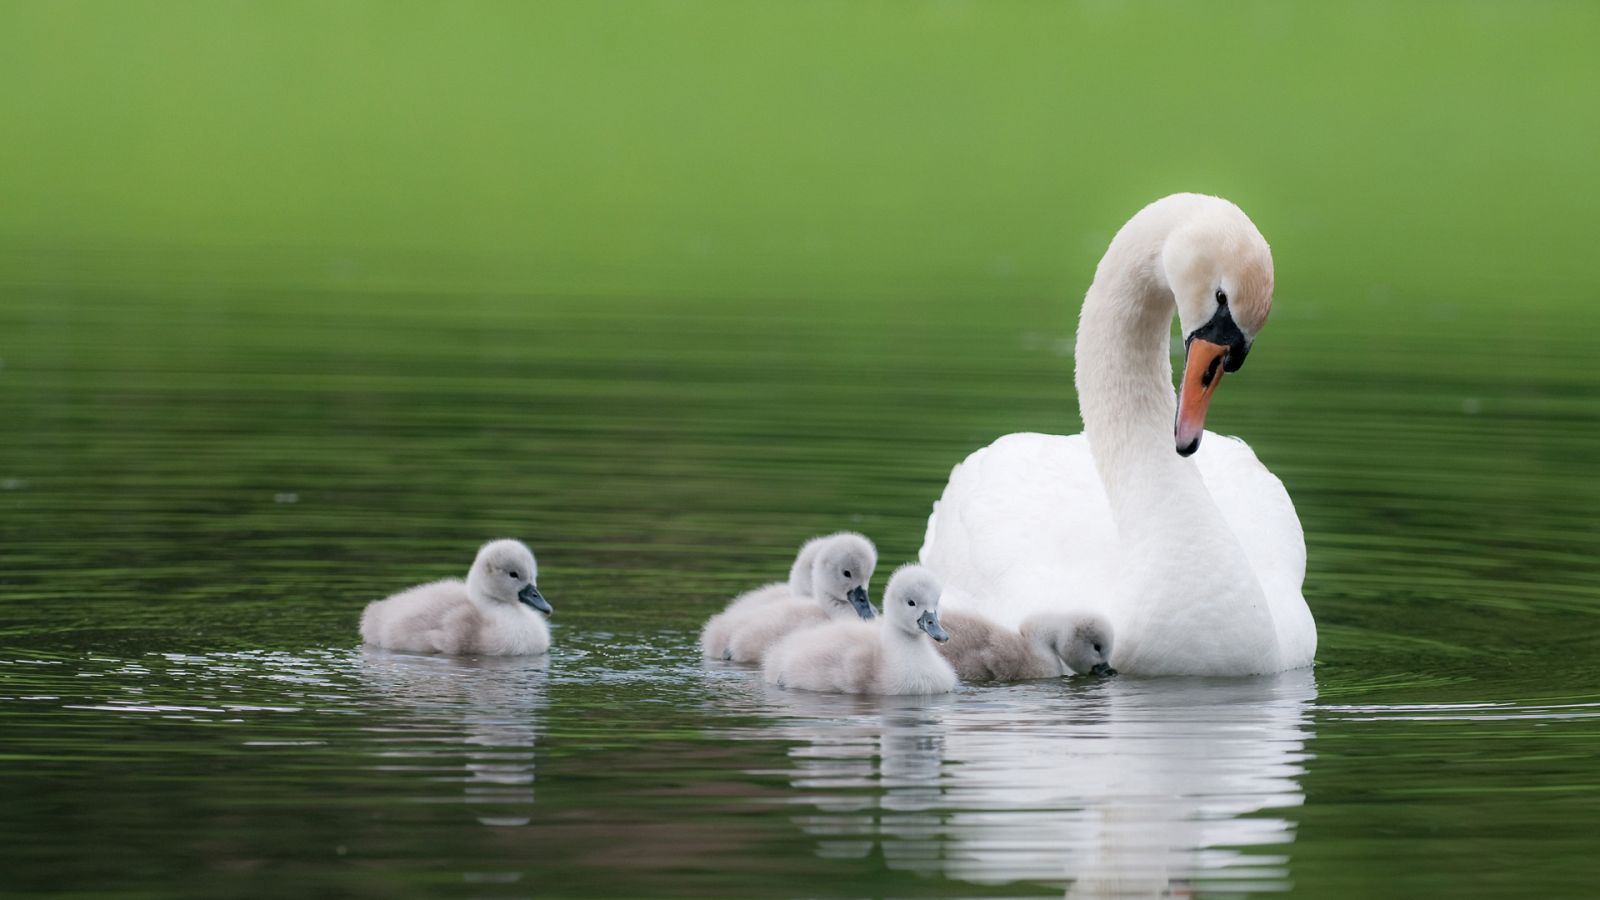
755,150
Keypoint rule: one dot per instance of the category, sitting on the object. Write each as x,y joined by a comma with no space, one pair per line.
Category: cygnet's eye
911,603
847,573
513,574
1097,648
1222,296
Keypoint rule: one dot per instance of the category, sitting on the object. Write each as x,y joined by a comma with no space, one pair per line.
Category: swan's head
841,570
1219,268
505,572
911,602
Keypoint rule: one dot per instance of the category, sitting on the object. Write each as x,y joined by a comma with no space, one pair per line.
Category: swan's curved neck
1124,372
1182,567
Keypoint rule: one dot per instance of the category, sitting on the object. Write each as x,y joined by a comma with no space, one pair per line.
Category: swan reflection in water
1111,789
468,721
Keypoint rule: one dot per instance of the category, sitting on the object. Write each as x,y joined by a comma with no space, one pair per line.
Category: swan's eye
1097,648
1222,297
513,574
847,573
911,603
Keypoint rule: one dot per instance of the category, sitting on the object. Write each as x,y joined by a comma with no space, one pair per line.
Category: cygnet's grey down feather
893,656
829,581
1048,645
497,611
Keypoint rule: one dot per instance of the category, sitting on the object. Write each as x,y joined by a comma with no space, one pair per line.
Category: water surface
202,487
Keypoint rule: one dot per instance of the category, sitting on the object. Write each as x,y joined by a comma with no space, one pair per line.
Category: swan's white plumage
1026,518
1016,518
891,656
1203,575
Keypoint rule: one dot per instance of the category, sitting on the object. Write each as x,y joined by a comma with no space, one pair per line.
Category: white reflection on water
471,721
1112,789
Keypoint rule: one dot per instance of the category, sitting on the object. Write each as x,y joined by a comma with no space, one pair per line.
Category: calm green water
201,490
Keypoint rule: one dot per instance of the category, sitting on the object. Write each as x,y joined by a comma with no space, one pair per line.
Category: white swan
1048,645
1196,558
887,657
828,581
497,611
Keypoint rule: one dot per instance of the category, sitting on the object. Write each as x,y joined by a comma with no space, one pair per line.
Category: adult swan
1189,547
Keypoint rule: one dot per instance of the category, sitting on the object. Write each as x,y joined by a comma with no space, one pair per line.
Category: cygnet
497,611
828,581
894,656
1048,645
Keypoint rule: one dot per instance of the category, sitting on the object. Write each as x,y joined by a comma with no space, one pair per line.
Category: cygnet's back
981,649
1046,646
834,570
497,611
892,656
841,657
409,620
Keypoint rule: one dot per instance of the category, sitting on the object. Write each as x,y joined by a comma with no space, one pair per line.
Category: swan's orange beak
1203,364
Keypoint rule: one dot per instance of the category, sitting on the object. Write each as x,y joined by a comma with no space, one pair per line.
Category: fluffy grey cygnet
1049,645
895,656
497,611
828,581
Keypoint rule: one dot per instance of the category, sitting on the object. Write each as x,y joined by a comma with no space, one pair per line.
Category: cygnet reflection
468,721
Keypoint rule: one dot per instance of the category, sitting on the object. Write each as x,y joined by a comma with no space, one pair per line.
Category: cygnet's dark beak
531,596
929,622
863,606
1103,670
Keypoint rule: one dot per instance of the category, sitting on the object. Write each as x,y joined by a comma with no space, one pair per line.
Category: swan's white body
891,656
1196,562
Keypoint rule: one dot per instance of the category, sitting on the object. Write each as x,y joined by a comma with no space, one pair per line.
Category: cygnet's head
1085,645
841,570
1219,268
505,572
911,602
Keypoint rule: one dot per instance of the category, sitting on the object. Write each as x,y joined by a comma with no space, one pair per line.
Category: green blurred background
760,150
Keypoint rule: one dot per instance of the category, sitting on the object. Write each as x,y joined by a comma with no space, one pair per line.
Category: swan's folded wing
1023,526
1258,510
